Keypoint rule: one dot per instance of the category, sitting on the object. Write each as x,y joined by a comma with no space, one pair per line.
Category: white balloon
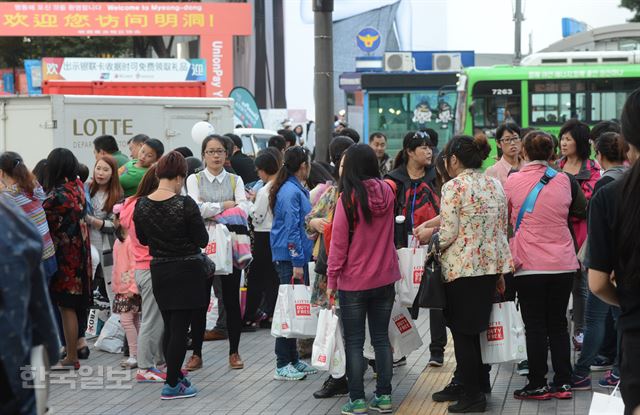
200,131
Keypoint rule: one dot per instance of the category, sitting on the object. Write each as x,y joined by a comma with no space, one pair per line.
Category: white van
254,139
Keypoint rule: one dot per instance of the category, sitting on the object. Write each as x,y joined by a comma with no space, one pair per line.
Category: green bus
545,96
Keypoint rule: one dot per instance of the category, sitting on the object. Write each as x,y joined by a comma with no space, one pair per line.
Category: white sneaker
130,363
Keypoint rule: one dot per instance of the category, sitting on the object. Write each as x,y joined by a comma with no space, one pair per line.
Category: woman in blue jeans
363,266
290,247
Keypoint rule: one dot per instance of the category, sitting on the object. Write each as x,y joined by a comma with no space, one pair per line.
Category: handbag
431,293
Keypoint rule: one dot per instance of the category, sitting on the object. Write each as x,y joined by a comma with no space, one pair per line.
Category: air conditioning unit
398,62
447,62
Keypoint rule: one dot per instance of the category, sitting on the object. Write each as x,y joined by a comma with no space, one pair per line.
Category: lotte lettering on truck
94,127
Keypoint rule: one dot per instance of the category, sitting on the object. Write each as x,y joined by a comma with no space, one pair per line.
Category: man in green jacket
106,144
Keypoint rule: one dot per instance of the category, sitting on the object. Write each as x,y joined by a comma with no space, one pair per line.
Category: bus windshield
495,102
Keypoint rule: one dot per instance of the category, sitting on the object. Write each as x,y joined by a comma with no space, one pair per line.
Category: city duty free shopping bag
219,248
504,340
411,261
292,317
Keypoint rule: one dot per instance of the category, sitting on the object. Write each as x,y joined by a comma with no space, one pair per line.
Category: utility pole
518,18
323,75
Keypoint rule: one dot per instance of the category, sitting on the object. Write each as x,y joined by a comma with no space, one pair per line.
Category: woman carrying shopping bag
290,247
545,261
216,191
475,254
364,273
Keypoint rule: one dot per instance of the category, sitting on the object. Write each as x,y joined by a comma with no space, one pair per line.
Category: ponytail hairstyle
360,164
294,158
337,148
470,151
114,190
612,147
411,141
627,221
13,166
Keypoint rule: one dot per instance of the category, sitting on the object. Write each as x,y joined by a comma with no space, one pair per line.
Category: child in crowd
127,301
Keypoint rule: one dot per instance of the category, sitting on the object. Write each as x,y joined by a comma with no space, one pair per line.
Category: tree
634,6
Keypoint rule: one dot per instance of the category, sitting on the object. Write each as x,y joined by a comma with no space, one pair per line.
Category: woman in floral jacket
70,286
475,254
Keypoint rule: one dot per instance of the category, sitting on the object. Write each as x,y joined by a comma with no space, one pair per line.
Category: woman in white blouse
215,190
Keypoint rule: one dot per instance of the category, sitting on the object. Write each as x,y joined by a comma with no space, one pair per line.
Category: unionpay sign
215,23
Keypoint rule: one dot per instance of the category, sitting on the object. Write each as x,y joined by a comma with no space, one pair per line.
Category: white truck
33,126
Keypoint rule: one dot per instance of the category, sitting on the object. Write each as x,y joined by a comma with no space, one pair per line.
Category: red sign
417,274
402,323
211,248
215,23
303,309
495,333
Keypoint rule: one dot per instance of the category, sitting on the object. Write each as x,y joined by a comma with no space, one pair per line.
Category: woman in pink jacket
363,266
545,262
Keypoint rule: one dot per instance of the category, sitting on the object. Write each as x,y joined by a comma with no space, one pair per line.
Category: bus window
495,102
608,97
554,102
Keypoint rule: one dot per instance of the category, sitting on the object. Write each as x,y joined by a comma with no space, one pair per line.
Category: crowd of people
538,226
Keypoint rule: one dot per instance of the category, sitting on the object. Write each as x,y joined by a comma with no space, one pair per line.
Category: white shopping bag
292,317
324,343
504,341
411,262
603,404
111,337
92,324
339,360
219,248
212,312
403,334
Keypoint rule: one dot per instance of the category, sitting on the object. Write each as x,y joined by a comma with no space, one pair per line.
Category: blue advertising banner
245,108
33,70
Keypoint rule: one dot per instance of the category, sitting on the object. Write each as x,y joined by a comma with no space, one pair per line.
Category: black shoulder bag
431,293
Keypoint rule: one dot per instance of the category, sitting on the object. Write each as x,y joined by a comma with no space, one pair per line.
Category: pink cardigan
543,242
123,263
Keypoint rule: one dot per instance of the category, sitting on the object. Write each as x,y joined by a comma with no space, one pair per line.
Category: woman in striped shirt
19,183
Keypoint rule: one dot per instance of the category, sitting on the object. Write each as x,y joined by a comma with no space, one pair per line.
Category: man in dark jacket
241,163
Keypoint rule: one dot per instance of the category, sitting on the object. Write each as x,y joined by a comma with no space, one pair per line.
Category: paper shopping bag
219,248
411,262
292,317
504,340
603,404
323,345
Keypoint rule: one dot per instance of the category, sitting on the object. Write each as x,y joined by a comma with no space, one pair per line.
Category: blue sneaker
186,382
357,407
288,372
609,380
381,404
180,391
305,368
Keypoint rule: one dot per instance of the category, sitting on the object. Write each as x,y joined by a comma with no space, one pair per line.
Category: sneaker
151,375
523,368
180,391
601,363
130,363
401,362
302,367
578,338
466,404
436,361
381,404
288,372
529,393
357,407
564,391
185,381
163,368
332,387
451,392
609,380
580,383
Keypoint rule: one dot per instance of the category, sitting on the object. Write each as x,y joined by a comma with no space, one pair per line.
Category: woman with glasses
576,150
215,190
545,261
510,145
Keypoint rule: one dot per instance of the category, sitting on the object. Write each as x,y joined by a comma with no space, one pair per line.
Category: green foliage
634,6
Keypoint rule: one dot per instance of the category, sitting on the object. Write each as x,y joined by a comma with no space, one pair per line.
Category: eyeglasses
218,152
511,140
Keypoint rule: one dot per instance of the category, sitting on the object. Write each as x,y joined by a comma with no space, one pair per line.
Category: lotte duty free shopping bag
411,261
219,248
504,340
293,317
324,343
403,334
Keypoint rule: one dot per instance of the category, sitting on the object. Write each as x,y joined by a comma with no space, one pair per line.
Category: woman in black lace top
172,227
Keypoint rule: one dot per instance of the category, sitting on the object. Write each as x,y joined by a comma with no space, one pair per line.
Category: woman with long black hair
614,223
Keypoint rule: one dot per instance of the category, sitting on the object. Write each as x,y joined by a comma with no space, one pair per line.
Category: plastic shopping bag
92,324
603,404
324,343
403,334
111,337
212,312
411,268
293,317
339,360
504,341
219,248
